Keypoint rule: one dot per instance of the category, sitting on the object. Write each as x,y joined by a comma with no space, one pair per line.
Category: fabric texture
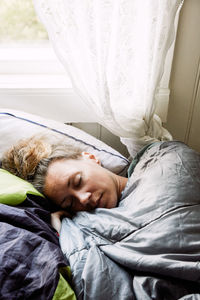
114,53
148,247
30,256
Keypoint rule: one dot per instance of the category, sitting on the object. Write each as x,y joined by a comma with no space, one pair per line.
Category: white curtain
114,52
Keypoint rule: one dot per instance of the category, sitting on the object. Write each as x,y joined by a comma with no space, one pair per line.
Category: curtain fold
114,52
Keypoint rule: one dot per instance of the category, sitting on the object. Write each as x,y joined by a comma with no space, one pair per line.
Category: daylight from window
19,23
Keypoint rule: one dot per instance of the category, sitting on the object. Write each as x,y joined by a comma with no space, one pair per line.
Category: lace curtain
114,52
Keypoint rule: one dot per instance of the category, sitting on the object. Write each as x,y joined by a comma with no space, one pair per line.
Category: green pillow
13,190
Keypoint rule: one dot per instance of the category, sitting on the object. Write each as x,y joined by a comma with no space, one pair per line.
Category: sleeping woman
65,175
146,245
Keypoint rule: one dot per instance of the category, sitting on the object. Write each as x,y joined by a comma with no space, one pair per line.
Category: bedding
32,264
16,125
149,246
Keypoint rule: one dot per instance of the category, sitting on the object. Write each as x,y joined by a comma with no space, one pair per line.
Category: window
27,59
31,77
19,22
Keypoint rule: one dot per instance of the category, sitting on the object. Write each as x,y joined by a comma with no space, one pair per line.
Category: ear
87,155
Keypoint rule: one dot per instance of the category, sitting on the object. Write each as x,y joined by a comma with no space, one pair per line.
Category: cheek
111,198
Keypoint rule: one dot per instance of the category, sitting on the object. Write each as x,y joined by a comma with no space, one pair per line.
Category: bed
148,247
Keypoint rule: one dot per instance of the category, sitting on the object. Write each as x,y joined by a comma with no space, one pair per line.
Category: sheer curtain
114,52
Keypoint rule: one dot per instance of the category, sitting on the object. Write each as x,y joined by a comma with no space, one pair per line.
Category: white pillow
15,125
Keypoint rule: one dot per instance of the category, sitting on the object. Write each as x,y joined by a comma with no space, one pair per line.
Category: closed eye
78,180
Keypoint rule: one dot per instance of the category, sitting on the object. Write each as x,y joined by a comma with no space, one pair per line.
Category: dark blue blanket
30,256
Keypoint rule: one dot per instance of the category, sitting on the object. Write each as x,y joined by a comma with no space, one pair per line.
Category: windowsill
31,66
34,81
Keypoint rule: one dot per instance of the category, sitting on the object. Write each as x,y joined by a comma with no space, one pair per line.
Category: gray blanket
149,246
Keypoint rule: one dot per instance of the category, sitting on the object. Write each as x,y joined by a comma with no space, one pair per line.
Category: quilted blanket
149,246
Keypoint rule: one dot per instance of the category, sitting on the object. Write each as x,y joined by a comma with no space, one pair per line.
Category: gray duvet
149,246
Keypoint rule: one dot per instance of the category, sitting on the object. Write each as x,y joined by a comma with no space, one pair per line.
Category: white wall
183,119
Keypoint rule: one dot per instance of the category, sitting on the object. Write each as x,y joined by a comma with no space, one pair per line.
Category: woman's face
82,184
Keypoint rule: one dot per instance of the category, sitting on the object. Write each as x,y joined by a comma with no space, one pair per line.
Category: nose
83,197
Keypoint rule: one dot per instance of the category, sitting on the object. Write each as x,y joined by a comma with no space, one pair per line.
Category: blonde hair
30,158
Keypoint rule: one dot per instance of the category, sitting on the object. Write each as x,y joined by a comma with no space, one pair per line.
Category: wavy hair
30,158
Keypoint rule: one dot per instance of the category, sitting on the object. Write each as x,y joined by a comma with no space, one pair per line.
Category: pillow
13,190
16,125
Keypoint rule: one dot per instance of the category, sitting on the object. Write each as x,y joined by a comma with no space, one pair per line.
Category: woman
73,180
